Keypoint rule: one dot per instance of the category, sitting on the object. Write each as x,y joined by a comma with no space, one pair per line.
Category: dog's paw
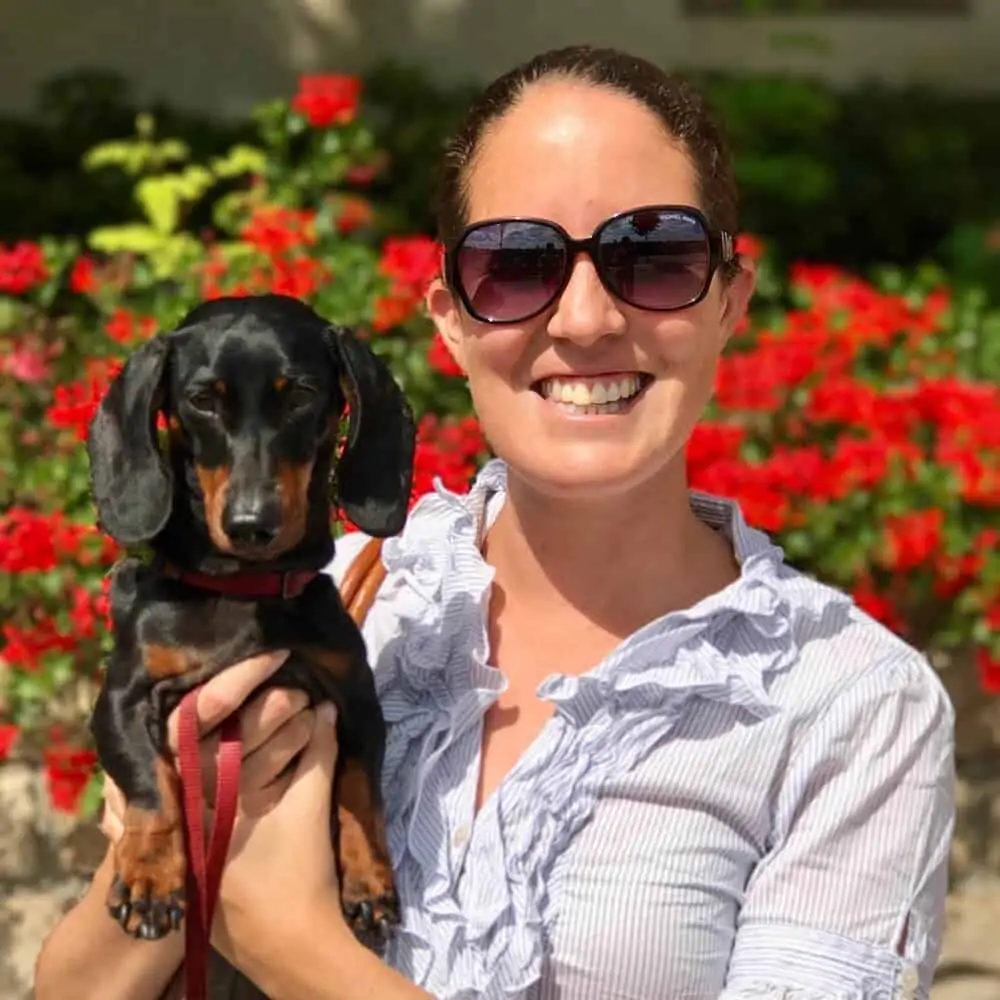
143,914
373,919
147,894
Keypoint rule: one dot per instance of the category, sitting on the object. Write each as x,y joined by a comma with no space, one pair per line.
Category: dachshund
232,502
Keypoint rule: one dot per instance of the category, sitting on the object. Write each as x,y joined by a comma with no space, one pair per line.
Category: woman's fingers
268,712
267,771
112,822
224,693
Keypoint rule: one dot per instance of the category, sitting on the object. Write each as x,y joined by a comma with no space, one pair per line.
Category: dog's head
254,391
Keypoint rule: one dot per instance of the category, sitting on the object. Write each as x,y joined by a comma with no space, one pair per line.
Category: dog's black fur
253,391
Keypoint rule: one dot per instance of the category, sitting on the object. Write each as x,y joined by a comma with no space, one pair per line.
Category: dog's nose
252,522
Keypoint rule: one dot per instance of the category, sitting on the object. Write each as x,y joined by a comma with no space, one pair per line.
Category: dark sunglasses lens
656,259
510,270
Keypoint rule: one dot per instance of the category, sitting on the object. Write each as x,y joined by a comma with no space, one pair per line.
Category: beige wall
224,55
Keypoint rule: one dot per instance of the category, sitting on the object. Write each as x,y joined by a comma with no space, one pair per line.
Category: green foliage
857,176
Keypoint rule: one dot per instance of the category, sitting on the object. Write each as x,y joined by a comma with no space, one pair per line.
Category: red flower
912,539
299,277
449,450
877,605
68,769
327,100
124,327
989,671
748,245
75,404
8,737
26,542
355,214
393,310
274,229
25,364
412,262
82,278
22,267
710,442
440,359
362,174
25,647
89,612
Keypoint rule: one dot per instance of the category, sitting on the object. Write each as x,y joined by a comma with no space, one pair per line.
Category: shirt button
461,836
908,983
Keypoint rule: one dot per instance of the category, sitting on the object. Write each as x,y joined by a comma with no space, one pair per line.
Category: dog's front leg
367,884
147,894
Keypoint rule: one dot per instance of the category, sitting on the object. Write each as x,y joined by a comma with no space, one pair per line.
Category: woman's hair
679,106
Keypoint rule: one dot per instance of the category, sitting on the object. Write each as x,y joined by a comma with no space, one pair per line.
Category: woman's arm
88,955
279,918
317,958
850,899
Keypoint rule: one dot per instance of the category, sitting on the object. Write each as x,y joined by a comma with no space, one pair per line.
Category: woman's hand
276,724
280,882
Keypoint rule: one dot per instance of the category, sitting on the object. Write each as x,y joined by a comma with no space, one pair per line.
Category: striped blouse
751,798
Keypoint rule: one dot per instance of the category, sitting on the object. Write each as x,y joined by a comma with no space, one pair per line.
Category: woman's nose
586,311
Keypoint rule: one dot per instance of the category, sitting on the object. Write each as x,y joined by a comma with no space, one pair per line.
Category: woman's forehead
576,153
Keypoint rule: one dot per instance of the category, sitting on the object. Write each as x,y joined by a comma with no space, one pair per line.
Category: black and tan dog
236,512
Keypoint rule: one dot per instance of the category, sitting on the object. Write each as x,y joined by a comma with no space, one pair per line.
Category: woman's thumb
319,756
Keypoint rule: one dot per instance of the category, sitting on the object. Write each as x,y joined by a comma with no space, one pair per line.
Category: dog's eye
207,402
299,397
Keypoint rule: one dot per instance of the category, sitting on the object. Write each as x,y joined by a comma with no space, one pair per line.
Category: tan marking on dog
293,491
362,847
150,859
168,661
214,487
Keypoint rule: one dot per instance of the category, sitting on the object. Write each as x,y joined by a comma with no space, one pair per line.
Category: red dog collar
275,583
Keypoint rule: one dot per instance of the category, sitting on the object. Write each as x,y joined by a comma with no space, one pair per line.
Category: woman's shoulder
846,657
822,644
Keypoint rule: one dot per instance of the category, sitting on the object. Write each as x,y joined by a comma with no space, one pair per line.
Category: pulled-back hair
678,105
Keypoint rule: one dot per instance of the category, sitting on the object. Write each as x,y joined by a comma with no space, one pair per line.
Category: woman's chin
583,470
586,452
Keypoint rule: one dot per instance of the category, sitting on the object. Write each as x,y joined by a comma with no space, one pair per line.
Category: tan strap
362,580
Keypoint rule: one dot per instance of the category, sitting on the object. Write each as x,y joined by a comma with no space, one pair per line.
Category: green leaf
241,159
133,237
160,201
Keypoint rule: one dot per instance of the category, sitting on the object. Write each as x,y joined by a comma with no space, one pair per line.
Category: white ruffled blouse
750,798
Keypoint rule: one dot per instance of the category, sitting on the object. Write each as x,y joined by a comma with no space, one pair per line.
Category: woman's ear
736,296
444,310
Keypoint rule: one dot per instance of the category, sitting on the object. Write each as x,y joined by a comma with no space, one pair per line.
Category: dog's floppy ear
130,482
375,472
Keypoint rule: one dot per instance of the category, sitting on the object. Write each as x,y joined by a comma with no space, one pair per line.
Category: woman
631,753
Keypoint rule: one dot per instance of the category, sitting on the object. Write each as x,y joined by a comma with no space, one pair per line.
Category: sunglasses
659,258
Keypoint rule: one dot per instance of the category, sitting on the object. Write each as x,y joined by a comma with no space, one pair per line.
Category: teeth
593,396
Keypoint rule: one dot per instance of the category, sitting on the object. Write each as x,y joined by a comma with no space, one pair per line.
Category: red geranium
330,99
22,267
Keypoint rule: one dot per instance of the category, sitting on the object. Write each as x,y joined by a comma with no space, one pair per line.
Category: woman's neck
616,562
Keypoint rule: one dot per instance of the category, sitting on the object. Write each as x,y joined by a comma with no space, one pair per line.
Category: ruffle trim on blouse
435,682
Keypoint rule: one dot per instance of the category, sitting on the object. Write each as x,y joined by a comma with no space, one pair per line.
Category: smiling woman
631,753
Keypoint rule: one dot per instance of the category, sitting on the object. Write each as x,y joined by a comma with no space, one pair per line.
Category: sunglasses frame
721,250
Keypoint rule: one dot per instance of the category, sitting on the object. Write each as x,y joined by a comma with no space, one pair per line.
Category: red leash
205,872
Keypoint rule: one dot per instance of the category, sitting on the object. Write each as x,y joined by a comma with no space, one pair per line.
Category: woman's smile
590,396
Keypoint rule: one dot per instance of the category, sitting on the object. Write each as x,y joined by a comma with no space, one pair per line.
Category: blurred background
156,152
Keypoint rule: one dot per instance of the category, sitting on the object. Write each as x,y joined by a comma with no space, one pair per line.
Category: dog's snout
253,521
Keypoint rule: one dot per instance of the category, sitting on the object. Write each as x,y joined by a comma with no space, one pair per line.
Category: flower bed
858,422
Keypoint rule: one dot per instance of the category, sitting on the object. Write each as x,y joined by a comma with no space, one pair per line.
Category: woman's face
576,154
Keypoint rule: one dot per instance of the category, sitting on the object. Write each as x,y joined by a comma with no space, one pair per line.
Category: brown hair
679,106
